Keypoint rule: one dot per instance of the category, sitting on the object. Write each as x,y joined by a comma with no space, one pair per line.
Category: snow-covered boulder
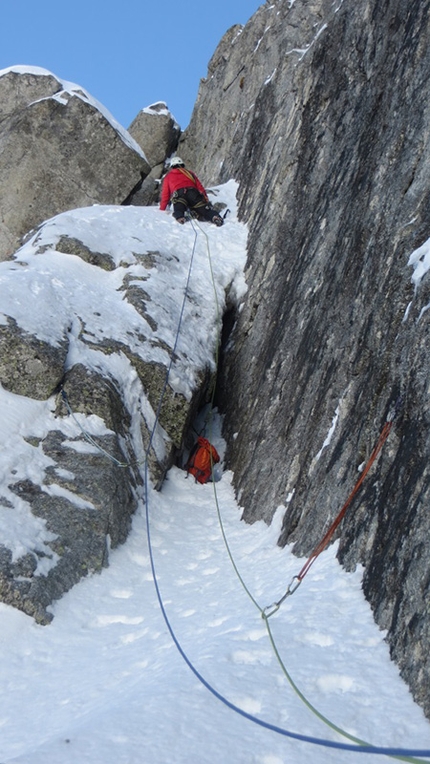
111,314
156,131
59,149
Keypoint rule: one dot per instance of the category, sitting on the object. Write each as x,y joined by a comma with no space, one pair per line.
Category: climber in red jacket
182,188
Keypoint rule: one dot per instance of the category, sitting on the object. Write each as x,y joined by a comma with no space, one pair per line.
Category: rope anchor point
292,586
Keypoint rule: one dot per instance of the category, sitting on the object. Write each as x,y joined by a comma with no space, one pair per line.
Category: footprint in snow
121,594
335,683
210,571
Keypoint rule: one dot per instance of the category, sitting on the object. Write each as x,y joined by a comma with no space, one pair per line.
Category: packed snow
62,299
105,682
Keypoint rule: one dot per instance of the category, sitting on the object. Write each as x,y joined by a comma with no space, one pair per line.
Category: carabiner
292,586
270,610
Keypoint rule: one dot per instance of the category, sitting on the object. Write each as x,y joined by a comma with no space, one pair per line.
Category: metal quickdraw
295,583
291,588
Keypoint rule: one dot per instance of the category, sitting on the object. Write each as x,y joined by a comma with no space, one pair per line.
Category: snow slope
105,682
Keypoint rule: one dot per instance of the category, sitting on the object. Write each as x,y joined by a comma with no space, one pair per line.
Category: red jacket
178,178
202,457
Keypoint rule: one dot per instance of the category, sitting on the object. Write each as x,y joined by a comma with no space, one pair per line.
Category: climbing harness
180,197
297,580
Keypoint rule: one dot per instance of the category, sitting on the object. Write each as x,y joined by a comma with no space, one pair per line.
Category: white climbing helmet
177,162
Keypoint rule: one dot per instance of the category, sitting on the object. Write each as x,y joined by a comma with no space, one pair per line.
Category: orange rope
325,540
297,580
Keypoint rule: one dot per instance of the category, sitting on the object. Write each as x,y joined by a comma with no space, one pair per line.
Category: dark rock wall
321,112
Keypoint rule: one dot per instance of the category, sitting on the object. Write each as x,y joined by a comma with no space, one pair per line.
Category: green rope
247,590
296,689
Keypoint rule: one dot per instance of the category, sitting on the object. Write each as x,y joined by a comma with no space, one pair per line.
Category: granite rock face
29,366
86,341
156,131
321,111
58,151
84,503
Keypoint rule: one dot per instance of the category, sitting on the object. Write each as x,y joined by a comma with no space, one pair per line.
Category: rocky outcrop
89,310
321,111
84,500
157,132
59,149
29,366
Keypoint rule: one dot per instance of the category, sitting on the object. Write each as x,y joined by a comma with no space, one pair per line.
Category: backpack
200,460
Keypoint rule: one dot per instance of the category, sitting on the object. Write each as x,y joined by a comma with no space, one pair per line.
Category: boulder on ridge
156,131
59,149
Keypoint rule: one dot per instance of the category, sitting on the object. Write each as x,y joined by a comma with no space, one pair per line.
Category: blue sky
126,54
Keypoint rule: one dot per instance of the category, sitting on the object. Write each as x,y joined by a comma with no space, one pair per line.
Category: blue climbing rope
359,748
245,714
